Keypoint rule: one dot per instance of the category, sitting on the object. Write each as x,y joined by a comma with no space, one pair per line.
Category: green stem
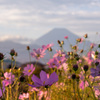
92,90
29,56
74,89
78,91
7,94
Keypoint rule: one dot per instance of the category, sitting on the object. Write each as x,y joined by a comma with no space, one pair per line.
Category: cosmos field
68,75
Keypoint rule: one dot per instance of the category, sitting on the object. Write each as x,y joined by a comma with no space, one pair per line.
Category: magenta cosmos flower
60,53
44,81
9,78
28,70
82,84
56,62
38,53
45,47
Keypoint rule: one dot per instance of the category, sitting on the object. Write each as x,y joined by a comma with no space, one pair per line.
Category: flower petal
36,80
53,78
43,76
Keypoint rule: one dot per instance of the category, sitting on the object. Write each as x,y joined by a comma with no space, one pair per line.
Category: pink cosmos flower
9,78
24,96
66,37
42,94
97,91
39,53
60,53
56,62
60,61
52,63
64,66
28,70
82,84
45,47
91,57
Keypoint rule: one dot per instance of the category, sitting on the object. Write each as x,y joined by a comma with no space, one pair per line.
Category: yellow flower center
29,70
60,62
38,55
44,82
53,64
7,78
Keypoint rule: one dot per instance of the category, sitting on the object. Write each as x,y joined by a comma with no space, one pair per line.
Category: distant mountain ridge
50,37
23,54
57,34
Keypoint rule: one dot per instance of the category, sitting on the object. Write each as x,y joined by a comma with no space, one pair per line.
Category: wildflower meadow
68,75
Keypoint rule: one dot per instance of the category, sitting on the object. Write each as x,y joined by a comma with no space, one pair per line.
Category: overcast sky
34,18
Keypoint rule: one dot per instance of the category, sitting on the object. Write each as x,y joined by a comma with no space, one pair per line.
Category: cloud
36,17
16,38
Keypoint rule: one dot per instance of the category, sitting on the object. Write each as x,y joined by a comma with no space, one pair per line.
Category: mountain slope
23,56
59,34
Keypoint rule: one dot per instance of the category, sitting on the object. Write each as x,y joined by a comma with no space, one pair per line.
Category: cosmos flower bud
71,53
92,46
12,52
96,56
22,78
97,63
16,54
86,67
76,56
78,40
60,45
70,70
73,76
75,67
1,56
68,53
81,51
99,46
62,42
96,53
59,42
50,49
28,48
86,36
74,47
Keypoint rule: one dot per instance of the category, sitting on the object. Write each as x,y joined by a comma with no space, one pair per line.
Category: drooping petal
36,80
53,78
43,76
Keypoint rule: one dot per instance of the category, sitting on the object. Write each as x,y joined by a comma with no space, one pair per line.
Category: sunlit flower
24,96
52,63
9,78
38,53
28,70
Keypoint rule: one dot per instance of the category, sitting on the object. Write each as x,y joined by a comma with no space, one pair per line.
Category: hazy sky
33,18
